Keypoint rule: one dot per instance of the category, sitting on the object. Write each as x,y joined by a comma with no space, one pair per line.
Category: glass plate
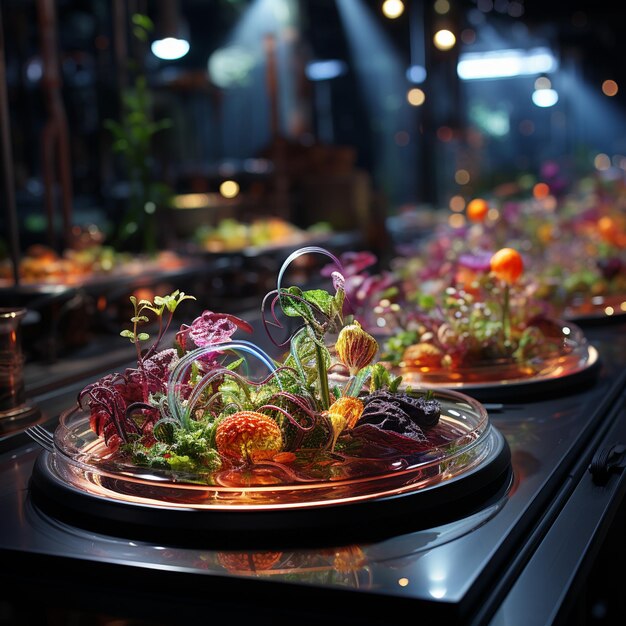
596,308
461,442
574,360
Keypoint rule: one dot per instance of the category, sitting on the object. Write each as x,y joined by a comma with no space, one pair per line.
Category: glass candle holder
12,393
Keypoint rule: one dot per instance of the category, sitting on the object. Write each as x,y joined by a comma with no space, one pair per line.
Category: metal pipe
7,169
56,134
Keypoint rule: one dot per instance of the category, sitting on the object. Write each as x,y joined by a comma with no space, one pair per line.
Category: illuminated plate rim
593,358
75,441
386,516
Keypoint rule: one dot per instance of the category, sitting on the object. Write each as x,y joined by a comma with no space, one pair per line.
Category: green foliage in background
133,138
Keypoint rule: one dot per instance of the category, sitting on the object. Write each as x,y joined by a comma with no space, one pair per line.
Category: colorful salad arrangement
573,238
482,321
201,408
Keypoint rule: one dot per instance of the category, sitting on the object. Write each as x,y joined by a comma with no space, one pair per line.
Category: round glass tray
591,309
380,483
573,361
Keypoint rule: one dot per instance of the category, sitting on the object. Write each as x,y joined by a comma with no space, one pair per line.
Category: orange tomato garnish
541,190
611,230
507,265
477,210
248,436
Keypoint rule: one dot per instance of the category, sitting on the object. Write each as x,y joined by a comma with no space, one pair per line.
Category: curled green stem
506,318
322,374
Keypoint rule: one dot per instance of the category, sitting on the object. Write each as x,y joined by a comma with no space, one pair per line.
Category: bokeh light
444,39
609,88
416,97
393,9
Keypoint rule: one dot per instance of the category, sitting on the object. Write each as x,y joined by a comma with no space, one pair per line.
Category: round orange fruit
507,265
248,436
477,210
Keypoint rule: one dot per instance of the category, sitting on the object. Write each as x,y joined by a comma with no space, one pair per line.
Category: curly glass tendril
182,412
301,252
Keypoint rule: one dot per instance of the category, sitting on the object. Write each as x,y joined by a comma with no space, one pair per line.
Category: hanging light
505,63
393,9
444,39
325,69
174,39
544,96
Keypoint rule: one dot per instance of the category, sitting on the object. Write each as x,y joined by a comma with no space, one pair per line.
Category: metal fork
41,436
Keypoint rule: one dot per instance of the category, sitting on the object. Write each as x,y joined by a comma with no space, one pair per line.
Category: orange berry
507,265
477,210
609,230
349,407
248,436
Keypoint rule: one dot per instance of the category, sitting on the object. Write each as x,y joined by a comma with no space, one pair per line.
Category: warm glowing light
403,582
541,190
543,82
602,162
144,293
441,6
457,203
444,39
609,88
462,177
170,48
229,188
191,201
456,220
549,202
393,8
493,214
622,306
609,310
416,97
505,63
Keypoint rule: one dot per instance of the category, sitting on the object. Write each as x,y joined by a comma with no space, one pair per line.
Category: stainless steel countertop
461,570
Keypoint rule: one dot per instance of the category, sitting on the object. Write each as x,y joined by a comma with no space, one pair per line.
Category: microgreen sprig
158,307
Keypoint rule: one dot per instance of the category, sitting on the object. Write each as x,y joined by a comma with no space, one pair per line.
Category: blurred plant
507,265
132,139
